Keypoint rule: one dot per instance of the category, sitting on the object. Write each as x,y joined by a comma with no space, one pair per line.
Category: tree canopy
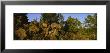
53,27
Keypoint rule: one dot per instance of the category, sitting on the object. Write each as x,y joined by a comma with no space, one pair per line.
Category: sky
80,16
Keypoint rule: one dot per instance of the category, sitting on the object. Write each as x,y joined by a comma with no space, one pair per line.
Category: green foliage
72,24
51,17
20,19
91,23
53,27
70,20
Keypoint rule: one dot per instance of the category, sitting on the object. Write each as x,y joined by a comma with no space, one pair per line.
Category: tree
91,23
52,17
21,33
20,19
53,27
72,24
60,18
78,23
